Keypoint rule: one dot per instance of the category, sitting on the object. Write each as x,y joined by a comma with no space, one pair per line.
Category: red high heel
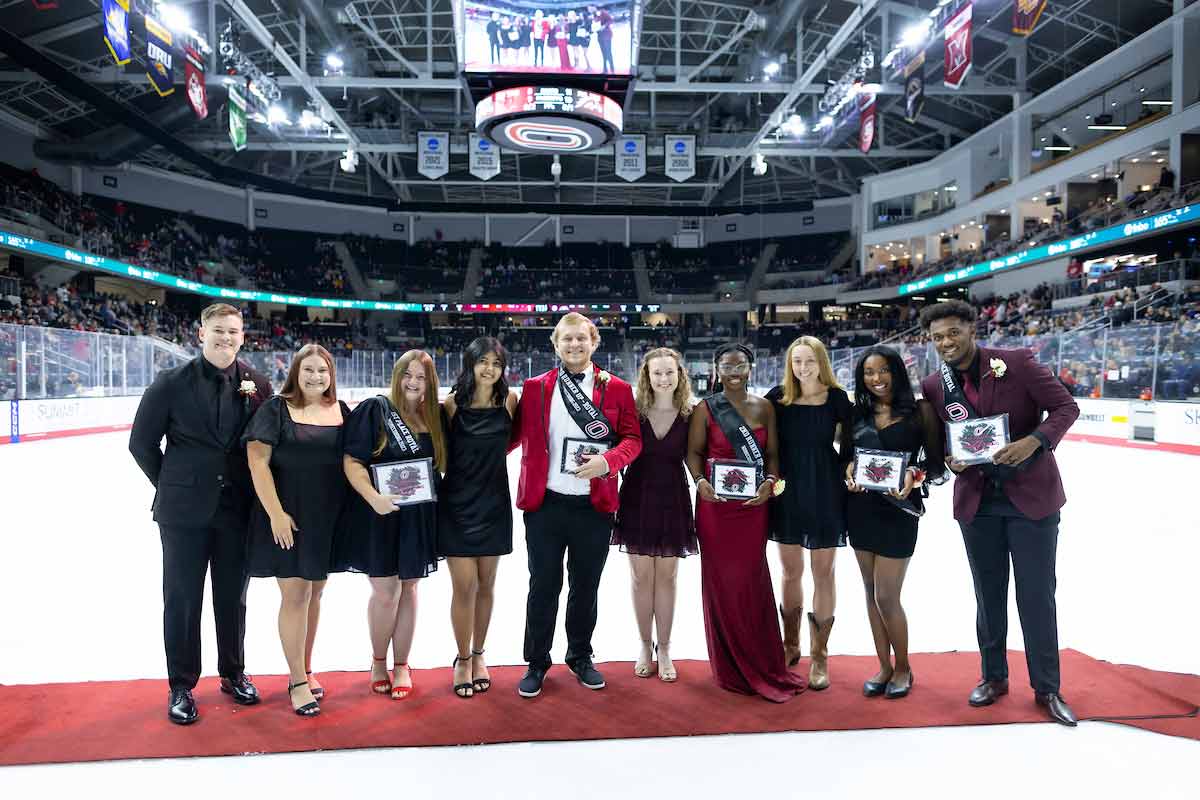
401,692
384,686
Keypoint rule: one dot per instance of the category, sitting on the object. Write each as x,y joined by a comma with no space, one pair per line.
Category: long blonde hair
644,394
429,410
791,386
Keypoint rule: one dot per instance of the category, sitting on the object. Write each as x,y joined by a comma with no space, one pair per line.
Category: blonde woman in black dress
395,546
475,510
654,522
294,447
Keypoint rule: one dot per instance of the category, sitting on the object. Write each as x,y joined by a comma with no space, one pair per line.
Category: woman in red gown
745,649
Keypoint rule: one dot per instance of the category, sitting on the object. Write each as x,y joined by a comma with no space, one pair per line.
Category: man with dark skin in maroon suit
1008,509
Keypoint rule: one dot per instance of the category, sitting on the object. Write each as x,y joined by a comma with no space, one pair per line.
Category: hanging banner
116,29
1026,14
866,121
914,87
958,47
630,156
45,5
679,157
484,158
197,95
237,118
160,61
433,154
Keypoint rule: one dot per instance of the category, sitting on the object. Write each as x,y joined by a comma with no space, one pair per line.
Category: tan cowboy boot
818,671
791,634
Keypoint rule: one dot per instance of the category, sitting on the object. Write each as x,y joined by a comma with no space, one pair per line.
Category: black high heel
308,709
481,684
463,690
894,692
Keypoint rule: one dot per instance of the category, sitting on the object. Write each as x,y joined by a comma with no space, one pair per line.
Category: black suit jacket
189,475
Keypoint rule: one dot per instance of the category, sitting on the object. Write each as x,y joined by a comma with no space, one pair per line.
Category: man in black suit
202,501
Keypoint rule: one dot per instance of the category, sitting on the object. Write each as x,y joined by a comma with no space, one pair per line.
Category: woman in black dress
475,510
294,447
395,545
883,527
654,522
813,412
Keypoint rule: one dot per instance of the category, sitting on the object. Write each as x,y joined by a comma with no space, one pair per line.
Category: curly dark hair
947,309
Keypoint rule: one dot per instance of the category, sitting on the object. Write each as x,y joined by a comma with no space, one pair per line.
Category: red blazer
532,424
1026,392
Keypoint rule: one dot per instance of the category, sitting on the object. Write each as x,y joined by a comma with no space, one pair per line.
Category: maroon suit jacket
1026,392
532,424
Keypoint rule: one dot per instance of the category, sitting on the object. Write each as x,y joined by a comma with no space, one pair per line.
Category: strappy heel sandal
318,692
308,709
669,675
382,686
644,669
463,690
480,685
401,692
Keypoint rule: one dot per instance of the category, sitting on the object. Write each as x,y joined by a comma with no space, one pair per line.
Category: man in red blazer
1009,508
569,510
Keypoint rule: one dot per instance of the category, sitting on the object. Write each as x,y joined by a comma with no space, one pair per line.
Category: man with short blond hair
202,501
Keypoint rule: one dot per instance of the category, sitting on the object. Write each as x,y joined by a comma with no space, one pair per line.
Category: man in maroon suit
568,495
1010,507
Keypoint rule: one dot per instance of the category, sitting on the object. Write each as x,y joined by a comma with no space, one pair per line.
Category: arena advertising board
1114,233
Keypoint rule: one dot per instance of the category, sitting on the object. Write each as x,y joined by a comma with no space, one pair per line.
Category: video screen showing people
548,37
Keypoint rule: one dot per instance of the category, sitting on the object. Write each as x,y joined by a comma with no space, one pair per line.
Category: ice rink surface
80,589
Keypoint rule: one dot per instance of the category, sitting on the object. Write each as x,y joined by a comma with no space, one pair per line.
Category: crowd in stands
429,266
549,272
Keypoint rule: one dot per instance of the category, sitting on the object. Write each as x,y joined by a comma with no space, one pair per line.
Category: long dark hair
904,402
464,386
730,347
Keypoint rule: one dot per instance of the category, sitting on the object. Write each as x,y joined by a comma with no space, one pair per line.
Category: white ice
80,589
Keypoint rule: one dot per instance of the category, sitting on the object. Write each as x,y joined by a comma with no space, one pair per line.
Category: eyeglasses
733,369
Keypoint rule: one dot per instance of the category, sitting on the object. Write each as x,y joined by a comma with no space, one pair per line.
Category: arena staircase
353,273
641,277
474,272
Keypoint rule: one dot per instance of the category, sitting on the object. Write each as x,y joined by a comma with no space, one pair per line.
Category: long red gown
745,649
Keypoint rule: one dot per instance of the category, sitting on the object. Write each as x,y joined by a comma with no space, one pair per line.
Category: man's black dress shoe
895,691
1059,711
243,691
181,708
987,691
531,682
587,673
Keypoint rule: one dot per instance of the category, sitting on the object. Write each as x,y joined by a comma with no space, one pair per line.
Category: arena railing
1160,362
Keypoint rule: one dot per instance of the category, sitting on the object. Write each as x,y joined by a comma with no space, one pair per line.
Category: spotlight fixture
349,161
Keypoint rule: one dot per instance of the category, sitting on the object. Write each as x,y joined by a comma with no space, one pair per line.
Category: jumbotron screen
548,36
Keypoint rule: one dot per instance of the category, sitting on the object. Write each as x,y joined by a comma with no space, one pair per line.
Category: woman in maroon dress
745,650
654,523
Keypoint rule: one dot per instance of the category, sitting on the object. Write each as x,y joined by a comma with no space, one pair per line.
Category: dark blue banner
160,57
116,29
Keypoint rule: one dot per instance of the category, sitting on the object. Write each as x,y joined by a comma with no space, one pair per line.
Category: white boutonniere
998,368
247,389
604,376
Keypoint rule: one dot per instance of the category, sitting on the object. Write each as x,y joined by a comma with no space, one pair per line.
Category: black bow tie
577,377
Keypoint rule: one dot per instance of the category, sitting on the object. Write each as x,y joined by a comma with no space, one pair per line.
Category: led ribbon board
1115,233
548,119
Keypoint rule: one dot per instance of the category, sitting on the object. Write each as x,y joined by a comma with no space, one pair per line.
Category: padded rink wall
1175,427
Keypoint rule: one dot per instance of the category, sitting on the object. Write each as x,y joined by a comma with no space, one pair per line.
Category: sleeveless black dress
306,463
403,543
655,514
475,507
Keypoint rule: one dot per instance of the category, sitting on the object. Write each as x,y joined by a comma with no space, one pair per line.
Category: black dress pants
187,554
564,525
996,535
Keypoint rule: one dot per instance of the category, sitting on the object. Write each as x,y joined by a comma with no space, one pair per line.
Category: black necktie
226,418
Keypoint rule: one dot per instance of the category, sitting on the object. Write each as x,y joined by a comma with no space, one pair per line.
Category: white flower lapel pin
998,368
247,389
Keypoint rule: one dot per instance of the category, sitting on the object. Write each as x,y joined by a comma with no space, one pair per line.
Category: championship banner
483,158
630,156
116,29
679,157
433,154
914,87
958,47
160,62
237,118
866,121
193,66
1026,14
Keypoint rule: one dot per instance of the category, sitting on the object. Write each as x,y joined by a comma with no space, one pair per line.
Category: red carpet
126,719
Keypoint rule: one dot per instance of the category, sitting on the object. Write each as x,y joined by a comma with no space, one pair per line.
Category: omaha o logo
596,429
957,412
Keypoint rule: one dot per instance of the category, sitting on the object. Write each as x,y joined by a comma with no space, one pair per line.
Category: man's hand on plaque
1017,452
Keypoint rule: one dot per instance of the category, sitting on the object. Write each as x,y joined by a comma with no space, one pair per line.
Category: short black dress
655,514
475,506
306,463
877,524
812,509
403,543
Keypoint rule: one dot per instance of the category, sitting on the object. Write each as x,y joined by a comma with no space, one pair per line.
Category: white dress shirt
562,426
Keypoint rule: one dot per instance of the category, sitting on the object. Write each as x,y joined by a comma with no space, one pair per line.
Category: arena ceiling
700,71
